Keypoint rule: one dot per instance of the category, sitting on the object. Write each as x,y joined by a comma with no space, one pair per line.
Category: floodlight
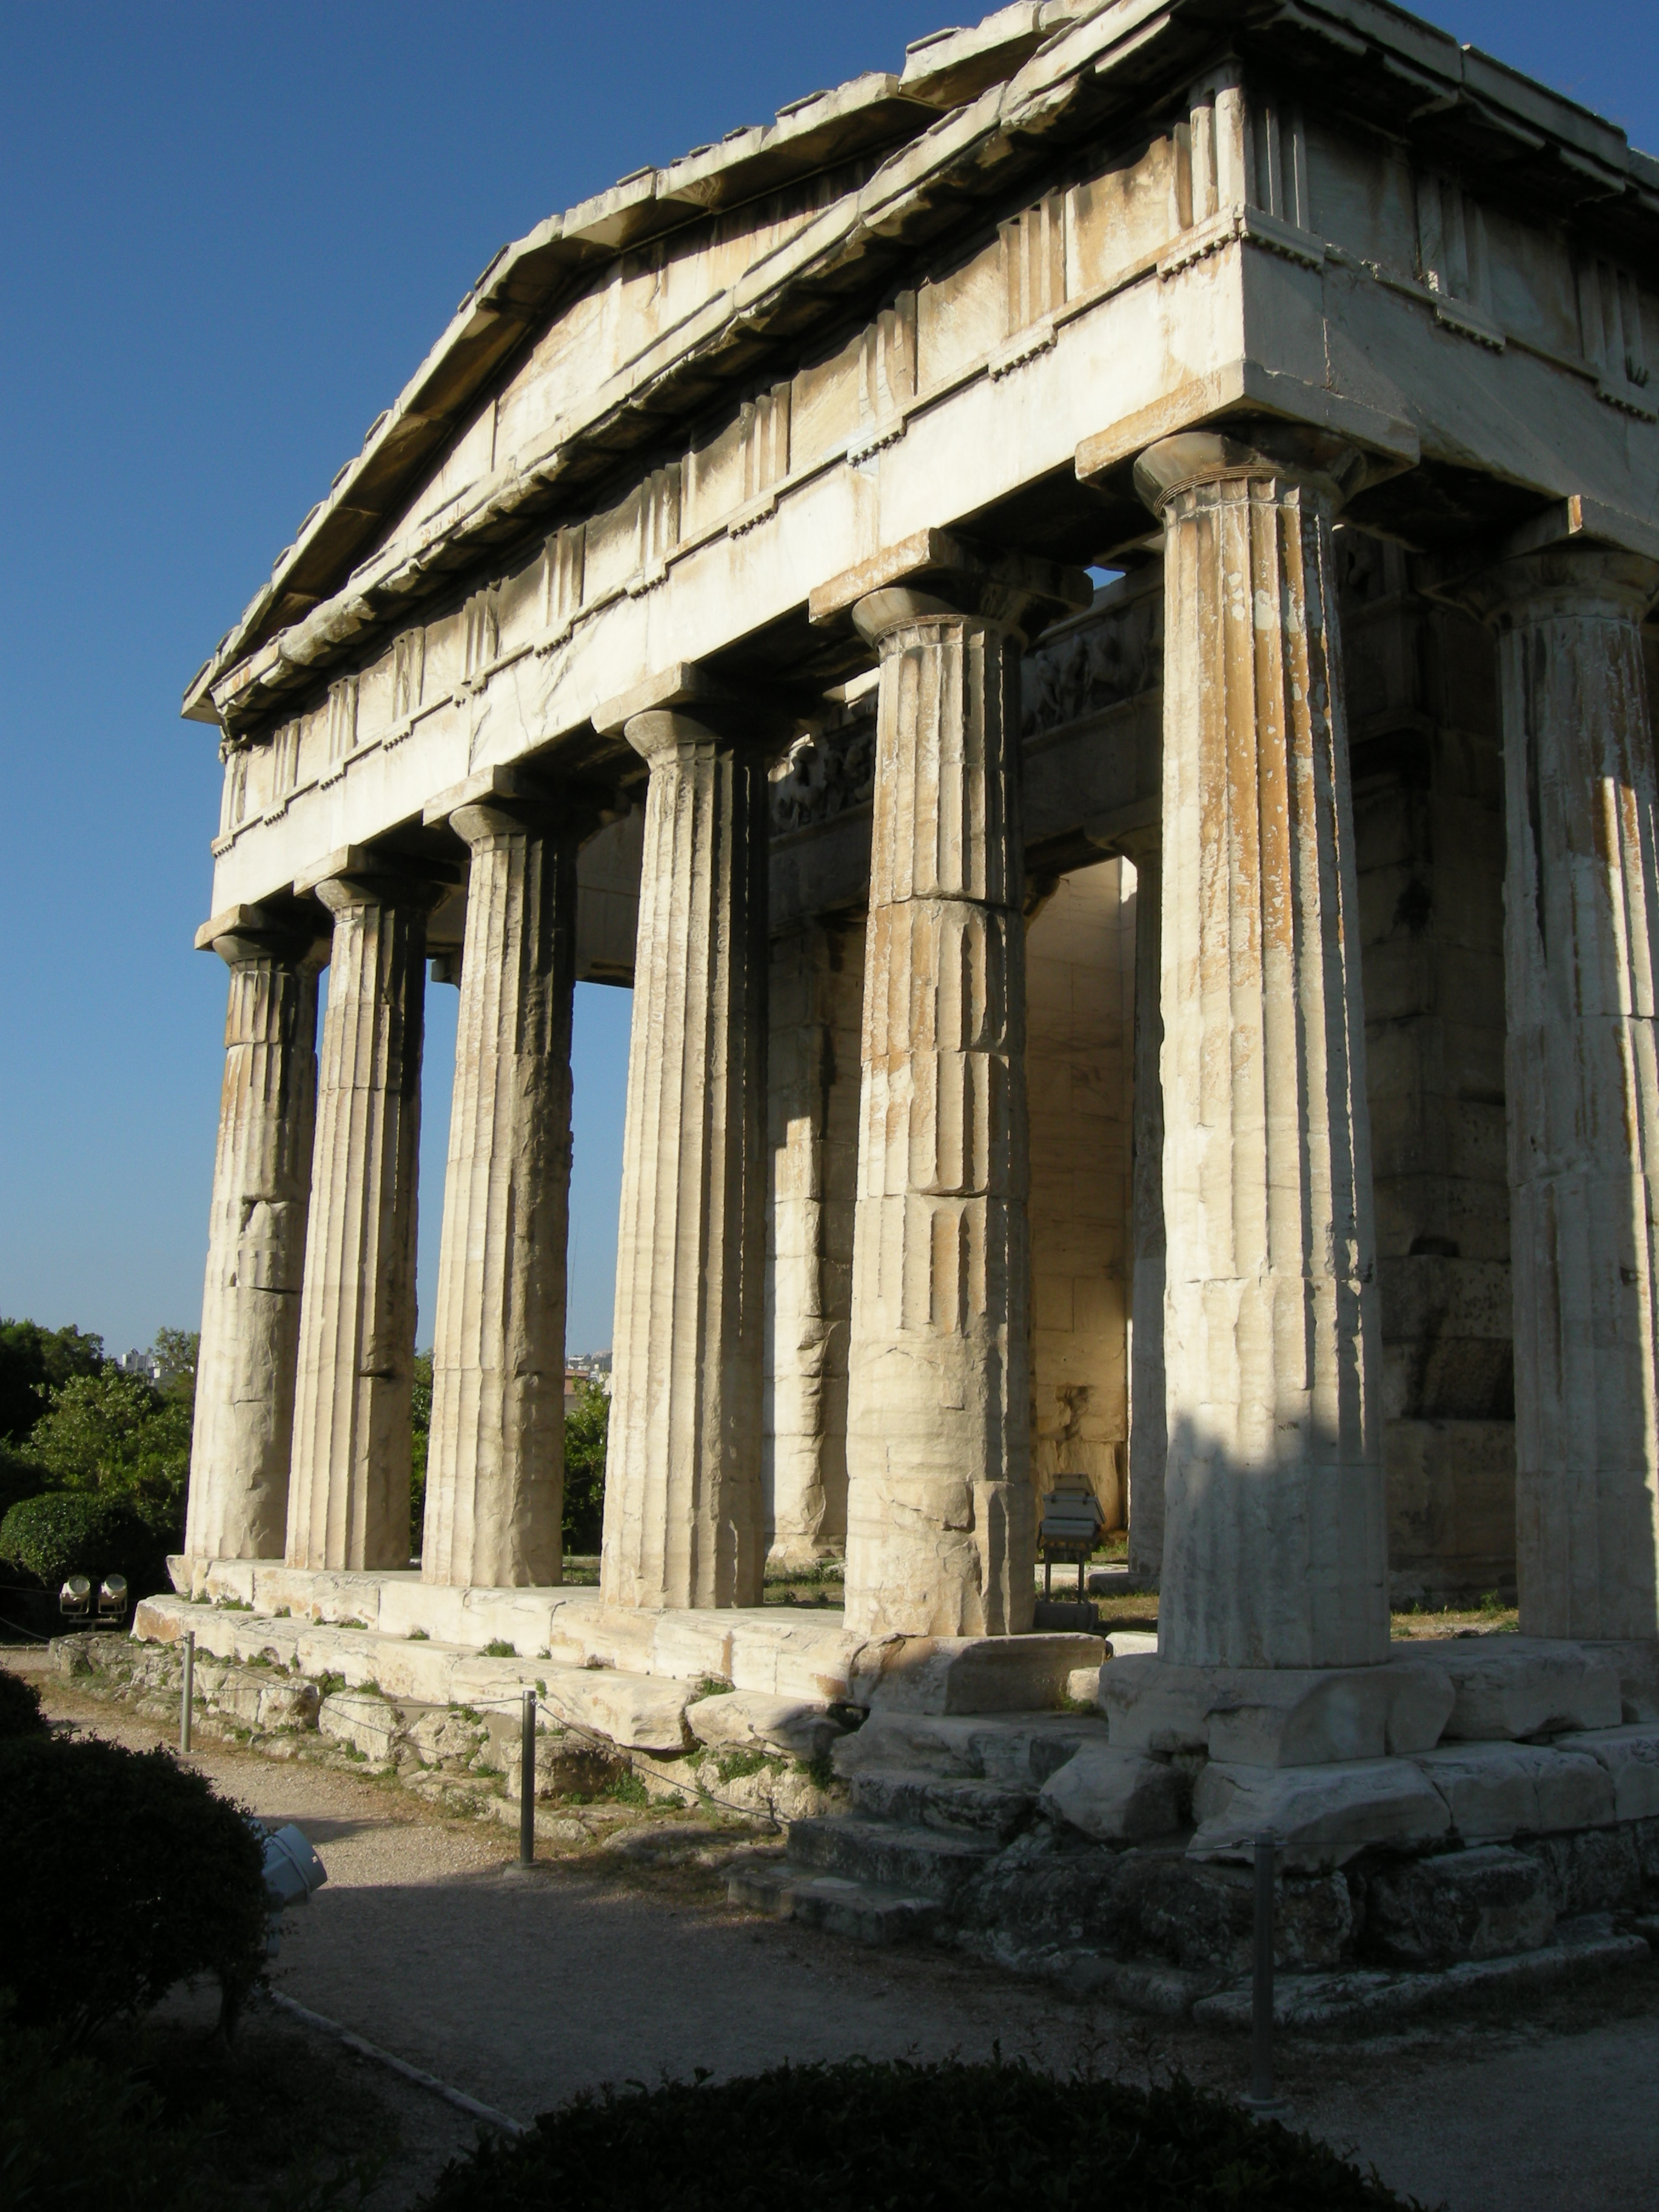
112,1598
75,1599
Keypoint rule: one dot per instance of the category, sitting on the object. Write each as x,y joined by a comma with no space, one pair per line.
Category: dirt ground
522,1989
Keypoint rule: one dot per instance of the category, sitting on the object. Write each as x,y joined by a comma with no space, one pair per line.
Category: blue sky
229,234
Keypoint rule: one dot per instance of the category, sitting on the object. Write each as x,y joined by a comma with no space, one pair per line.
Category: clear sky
229,234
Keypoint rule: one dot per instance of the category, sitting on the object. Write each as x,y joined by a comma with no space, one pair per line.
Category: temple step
865,1911
981,1811
888,1855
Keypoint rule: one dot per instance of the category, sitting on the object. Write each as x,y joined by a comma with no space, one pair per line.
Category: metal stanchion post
189,1691
528,1783
1261,2098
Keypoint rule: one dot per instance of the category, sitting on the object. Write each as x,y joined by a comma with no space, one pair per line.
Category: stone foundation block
1117,1796
1630,1756
1512,1686
1496,1790
748,1720
1019,1750
273,1705
1275,1717
637,1711
1599,1870
1324,1816
970,1673
359,1718
1481,1904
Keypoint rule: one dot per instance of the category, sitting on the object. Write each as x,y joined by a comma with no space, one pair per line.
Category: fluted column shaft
1581,936
349,1491
941,1529
683,1511
494,1491
244,1422
1148,1413
1274,1551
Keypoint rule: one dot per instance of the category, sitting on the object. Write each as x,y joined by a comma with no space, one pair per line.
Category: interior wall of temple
1080,966
1428,812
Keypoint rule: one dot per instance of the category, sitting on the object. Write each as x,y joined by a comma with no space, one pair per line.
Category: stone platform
628,1674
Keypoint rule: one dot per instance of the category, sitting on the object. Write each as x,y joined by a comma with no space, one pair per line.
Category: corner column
941,1515
349,1491
683,1509
1581,935
244,1423
1275,1548
495,1492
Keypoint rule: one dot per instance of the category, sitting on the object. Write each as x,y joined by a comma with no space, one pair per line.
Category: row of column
1274,1547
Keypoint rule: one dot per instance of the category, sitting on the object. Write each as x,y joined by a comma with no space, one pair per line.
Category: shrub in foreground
20,1706
123,1873
77,1532
859,2137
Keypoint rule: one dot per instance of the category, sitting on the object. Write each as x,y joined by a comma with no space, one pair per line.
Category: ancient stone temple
1074,620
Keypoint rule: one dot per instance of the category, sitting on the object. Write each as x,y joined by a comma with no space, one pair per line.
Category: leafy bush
586,1426
19,1707
123,1874
76,1532
939,2138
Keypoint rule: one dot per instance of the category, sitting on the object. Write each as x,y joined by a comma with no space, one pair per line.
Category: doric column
494,1490
244,1424
349,1493
941,1516
1581,935
684,1519
815,1006
1148,1429
1274,1551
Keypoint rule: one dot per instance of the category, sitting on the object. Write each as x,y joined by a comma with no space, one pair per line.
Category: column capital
686,704
1292,453
297,936
497,801
357,875
1575,553
935,575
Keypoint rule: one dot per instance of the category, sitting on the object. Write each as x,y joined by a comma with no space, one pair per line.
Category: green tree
33,1362
123,1436
586,1426
419,1423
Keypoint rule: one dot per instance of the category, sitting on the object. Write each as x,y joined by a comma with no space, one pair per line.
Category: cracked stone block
1495,1791
1630,1756
1323,1815
750,1720
441,1736
361,1719
970,1673
1512,1686
1274,1716
1117,1796
640,1712
566,1766
1481,1904
1020,1749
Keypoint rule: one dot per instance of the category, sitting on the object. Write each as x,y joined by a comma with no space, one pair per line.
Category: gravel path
523,1989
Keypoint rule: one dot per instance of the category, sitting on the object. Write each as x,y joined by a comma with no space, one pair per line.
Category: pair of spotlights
74,1600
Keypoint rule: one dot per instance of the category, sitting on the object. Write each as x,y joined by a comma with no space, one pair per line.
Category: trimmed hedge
861,2136
77,1532
19,1707
123,1874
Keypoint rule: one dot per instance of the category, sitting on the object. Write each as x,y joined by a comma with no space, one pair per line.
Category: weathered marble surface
683,1511
243,1430
349,1489
494,1491
1275,1551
